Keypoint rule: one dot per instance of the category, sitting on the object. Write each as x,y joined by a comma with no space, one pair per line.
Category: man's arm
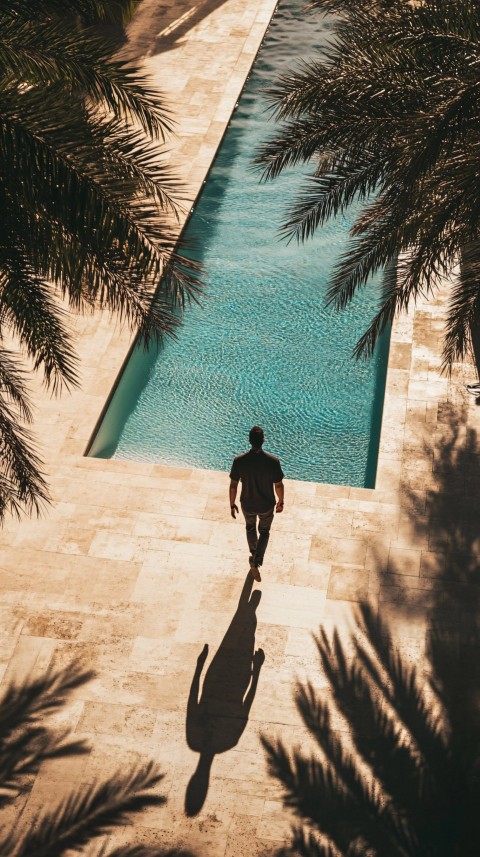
233,494
194,726
280,492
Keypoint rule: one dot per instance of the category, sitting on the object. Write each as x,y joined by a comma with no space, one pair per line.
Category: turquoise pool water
262,348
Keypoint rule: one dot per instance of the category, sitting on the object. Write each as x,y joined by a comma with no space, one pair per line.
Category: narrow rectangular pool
262,348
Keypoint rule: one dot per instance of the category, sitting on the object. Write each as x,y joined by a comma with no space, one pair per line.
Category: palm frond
55,52
36,699
13,386
23,756
329,195
90,206
91,812
392,301
39,322
114,216
338,812
401,688
407,784
277,155
25,741
464,306
22,484
307,844
303,779
370,802
396,90
363,258
91,11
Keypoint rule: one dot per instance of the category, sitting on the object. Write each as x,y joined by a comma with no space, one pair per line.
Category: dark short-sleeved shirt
258,471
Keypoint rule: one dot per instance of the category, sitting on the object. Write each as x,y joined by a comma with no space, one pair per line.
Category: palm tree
89,208
91,12
388,116
108,11
403,779
109,17
27,740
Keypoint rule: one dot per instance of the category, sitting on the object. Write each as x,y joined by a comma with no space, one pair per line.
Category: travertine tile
404,561
352,551
348,583
132,721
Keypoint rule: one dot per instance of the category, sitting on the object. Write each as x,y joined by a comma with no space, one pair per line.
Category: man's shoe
255,572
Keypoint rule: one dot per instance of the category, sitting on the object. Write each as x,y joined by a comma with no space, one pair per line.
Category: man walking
259,473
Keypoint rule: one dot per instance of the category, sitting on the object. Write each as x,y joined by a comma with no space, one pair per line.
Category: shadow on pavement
157,28
400,775
217,718
448,529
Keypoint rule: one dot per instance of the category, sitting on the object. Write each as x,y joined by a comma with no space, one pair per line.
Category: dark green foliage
402,780
389,116
90,11
27,739
89,208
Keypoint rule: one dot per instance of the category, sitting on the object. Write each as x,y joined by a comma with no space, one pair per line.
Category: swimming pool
262,348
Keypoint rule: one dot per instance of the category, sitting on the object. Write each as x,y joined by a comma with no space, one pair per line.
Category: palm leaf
91,812
394,94
56,52
36,699
13,384
407,784
37,320
329,195
90,207
22,484
92,11
25,741
307,844
464,306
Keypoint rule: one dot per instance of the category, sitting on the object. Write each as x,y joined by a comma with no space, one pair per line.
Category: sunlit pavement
136,567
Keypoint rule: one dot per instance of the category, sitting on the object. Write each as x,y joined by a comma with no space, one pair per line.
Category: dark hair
256,436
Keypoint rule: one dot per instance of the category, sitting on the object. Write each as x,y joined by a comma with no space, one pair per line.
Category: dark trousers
257,542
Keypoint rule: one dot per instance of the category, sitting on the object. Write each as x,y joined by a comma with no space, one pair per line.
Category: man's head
256,437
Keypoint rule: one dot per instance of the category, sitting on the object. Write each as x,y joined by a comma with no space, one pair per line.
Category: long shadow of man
216,721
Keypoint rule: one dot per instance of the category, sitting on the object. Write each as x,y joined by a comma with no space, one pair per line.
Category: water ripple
262,348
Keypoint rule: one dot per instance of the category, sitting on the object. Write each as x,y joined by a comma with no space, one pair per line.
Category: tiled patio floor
137,566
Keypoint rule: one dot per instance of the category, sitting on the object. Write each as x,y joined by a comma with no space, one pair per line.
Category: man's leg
264,523
251,528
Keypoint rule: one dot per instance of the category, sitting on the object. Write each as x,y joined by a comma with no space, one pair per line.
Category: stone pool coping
136,566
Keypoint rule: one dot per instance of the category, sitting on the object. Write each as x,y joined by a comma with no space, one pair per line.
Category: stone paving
136,567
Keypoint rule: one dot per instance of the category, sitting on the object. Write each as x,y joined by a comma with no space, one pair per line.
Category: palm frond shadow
160,28
86,813
395,770
445,522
